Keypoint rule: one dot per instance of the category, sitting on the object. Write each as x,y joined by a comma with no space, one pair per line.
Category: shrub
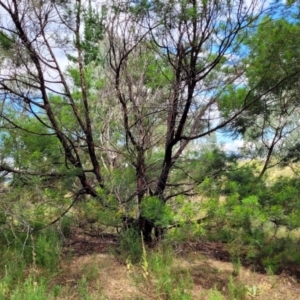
170,281
65,226
30,290
130,246
47,247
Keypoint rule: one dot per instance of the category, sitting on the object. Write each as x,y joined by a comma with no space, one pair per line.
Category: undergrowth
27,259
255,228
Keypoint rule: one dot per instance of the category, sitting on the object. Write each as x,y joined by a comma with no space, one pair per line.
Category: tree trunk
146,226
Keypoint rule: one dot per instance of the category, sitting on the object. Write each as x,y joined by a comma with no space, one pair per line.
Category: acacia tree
168,66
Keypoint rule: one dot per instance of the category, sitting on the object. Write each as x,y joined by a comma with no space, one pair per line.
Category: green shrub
214,295
30,290
2,217
130,246
237,291
65,226
47,248
13,272
83,289
170,281
244,182
152,208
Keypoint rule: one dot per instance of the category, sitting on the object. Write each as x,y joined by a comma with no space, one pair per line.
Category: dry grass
106,278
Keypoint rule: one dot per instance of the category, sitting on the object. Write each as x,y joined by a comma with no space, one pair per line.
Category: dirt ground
91,271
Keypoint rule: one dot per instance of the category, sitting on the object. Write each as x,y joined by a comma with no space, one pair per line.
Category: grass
187,276
162,273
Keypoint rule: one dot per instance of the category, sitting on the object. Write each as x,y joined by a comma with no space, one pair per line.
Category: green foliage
130,245
243,181
284,192
90,272
154,209
259,226
236,290
83,290
12,271
15,246
44,150
42,247
272,58
140,7
233,98
274,54
3,217
214,295
119,179
30,290
21,254
236,263
93,34
170,281
6,42
186,216
158,73
101,211
212,161
47,249
65,226
186,231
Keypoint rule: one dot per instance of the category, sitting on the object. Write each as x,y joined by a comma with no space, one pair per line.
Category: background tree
270,127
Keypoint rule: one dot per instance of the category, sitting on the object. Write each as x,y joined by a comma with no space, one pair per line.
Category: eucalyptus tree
145,82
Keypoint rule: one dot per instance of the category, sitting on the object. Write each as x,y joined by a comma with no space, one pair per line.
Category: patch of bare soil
104,278
93,272
81,243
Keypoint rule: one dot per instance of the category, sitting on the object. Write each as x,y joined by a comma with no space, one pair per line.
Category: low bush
170,281
130,245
